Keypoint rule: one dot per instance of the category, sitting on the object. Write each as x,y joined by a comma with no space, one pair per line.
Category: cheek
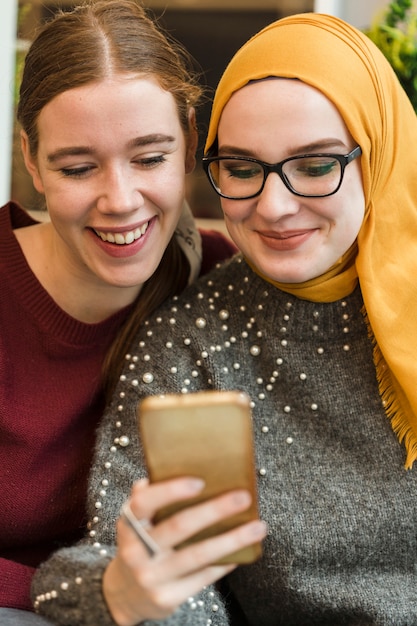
68,206
356,196
356,210
349,222
168,184
348,210
236,210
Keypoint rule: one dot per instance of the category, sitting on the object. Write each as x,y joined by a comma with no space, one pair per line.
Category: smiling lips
125,238
289,240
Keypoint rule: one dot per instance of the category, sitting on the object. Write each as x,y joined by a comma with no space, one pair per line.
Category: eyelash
150,162
76,172
80,172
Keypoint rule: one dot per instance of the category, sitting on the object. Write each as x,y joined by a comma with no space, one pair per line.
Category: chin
288,276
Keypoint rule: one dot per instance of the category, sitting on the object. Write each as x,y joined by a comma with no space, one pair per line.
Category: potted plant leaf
394,31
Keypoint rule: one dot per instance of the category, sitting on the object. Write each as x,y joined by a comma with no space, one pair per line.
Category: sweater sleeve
15,583
68,591
67,588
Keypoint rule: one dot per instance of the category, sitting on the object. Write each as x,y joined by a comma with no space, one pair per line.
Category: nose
118,192
275,200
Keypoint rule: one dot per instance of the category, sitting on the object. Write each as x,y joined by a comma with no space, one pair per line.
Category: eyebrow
317,146
137,142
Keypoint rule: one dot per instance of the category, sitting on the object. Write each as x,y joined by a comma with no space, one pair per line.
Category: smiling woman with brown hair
107,109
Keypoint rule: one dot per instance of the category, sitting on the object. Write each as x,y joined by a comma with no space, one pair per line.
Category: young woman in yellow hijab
312,146
346,67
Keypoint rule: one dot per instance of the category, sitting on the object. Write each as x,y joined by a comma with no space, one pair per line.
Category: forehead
281,107
116,105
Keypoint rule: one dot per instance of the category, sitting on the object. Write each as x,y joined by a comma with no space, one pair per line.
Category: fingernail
195,484
242,498
258,529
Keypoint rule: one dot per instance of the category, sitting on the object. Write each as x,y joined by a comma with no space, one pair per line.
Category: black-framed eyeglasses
307,175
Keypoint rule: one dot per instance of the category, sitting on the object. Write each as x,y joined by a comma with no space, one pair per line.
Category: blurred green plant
394,31
20,60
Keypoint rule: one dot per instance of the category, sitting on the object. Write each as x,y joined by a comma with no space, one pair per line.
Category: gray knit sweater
341,509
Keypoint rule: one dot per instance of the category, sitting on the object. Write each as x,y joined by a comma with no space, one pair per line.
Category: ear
192,142
30,162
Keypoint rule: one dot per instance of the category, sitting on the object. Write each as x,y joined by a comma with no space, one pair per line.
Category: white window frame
8,28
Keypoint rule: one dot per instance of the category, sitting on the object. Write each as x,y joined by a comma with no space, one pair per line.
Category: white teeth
123,238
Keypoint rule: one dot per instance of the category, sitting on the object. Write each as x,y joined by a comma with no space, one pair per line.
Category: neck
80,295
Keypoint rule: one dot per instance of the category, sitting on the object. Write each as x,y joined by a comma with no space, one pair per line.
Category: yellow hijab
349,69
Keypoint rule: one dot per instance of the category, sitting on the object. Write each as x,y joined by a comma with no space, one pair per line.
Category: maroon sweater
50,404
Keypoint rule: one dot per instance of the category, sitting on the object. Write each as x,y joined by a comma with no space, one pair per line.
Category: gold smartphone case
206,434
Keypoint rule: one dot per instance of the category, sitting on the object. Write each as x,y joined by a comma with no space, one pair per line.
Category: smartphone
207,434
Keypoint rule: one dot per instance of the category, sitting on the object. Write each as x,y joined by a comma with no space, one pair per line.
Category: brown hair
94,40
